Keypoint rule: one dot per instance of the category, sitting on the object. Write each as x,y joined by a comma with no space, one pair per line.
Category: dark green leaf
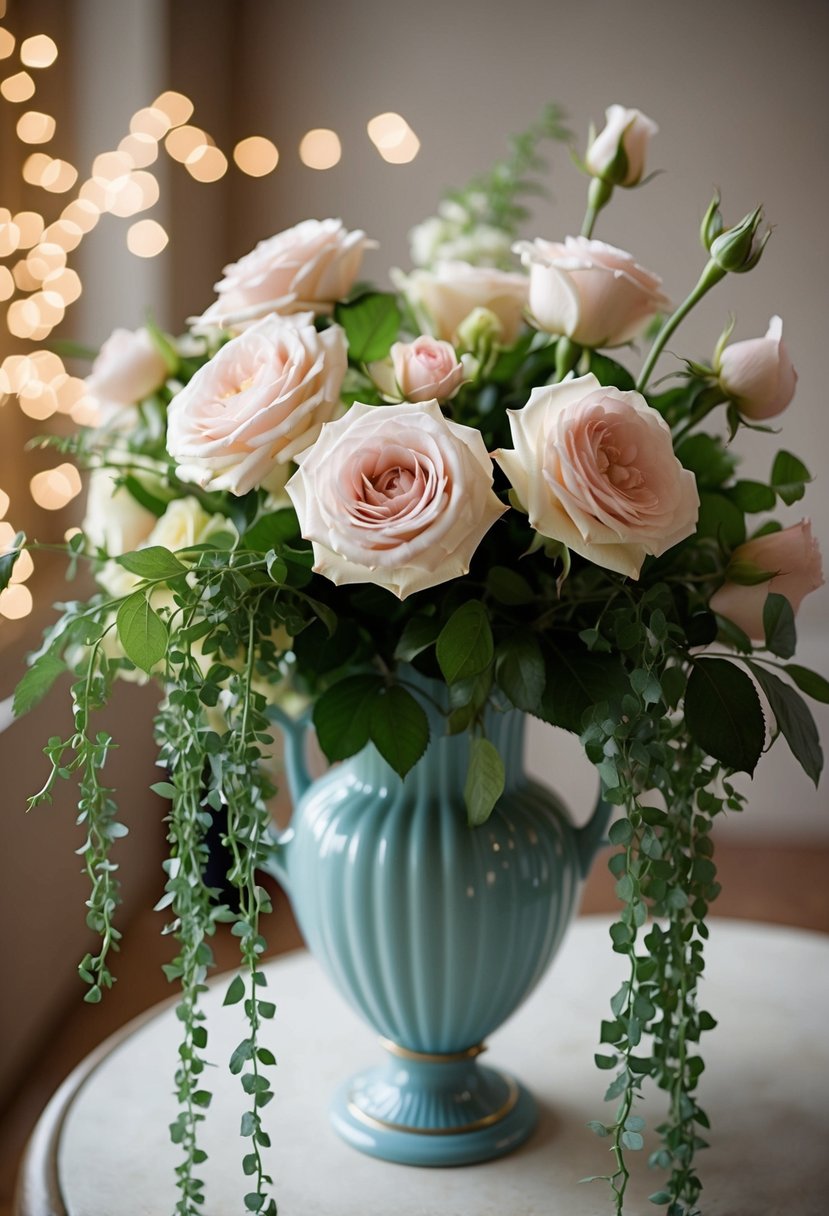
794,720
8,559
608,371
419,633
508,587
399,728
809,682
371,324
789,477
747,574
778,623
141,631
153,562
752,496
154,503
708,459
235,992
272,530
578,679
605,1063
484,780
519,669
36,682
342,715
719,518
465,647
723,713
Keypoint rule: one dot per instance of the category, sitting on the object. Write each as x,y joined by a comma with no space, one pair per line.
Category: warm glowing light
4,503
59,177
35,166
69,391
23,568
320,148
50,307
38,52
6,284
83,213
66,284
134,193
35,128
38,401
150,121
45,259
7,535
15,371
9,239
110,166
15,602
176,106
64,233
393,138
141,149
22,318
206,164
184,141
23,277
256,155
54,488
97,195
146,238
6,42
30,227
70,532
85,412
19,87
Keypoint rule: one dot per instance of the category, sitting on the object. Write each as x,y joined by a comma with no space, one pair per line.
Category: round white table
102,1148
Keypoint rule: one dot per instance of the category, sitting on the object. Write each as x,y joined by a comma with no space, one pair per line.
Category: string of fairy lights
38,284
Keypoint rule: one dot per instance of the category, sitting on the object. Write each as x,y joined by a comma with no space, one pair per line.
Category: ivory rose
627,132
127,369
594,468
114,520
591,292
758,374
419,371
792,555
309,266
261,399
443,298
395,495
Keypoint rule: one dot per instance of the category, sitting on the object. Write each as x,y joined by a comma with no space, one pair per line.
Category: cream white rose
628,131
261,399
395,495
422,370
443,298
114,520
591,292
309,266
758,374
792,556
127,369
595,469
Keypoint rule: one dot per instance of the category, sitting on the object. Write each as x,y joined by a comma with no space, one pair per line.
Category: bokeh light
393,138
39,51
33,127
175,106
320,148
256,155
206,164
146,238
19,87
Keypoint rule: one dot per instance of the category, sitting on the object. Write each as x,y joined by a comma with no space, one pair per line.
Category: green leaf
519,669
8,559
752,496
399,728
508,587
154,503
578,679
465,645
778,623
235,992
36,682
708,459
419,633
719,518
809,682
342,715
141,631
68,349
153,562
608,371
723,713
789,477
272,530
794,719
248,1125
371,324
484,780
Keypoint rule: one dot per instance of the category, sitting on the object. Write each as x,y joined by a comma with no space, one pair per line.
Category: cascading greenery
232,625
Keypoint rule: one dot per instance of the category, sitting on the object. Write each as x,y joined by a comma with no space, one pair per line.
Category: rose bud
794,558
443,298
128,368
758,374
422,370
617,154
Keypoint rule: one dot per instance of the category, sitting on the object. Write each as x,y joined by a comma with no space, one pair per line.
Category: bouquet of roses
322,485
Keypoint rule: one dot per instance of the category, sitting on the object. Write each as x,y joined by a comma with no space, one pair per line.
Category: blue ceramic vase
434,931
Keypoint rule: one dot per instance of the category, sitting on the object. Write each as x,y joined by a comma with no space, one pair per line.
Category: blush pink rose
309,266
628,130
395,495
127,369
261,399
422,370
758,374
594,467
443,298
591,292
792,555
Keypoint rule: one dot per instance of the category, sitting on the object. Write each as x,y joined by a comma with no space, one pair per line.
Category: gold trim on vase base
432,1057
476,1125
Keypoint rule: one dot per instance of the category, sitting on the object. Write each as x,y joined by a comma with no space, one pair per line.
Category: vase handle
294,732
591,836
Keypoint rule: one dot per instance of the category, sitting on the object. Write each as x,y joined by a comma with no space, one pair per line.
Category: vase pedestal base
434,1111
